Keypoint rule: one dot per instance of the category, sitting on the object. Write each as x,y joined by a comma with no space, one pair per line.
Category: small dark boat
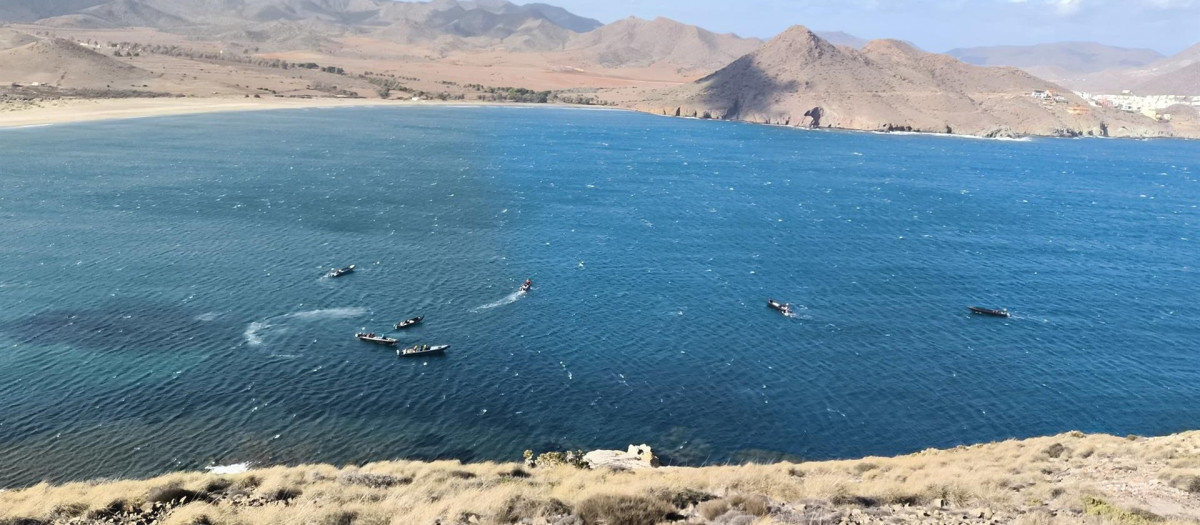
1003,312
784,308
528,284
338,272
419,350
372,337
409,322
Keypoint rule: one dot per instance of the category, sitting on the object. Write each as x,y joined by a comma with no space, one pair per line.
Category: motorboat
1003,312
784,308
372,337
409,322
528,284
338,272
419,350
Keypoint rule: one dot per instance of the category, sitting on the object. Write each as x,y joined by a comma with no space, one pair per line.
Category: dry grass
1084,479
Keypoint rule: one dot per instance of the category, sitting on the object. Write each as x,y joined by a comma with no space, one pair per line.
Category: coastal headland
1067,478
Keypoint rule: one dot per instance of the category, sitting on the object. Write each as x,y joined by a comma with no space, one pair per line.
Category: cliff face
888,85
1066,479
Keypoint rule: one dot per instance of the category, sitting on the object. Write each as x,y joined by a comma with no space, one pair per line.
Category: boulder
636,457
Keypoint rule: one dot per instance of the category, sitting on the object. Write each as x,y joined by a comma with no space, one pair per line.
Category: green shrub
624,510
1099,507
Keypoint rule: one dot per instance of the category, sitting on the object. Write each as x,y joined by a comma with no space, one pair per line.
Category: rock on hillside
800,79
634,42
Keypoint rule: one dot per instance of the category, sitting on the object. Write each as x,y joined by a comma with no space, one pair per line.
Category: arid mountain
1174,75
31,10
634,42
1057,61
798,78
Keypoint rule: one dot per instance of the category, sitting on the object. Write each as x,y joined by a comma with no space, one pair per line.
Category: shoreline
74,111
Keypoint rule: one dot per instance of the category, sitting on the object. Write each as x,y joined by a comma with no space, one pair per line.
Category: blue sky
1167,26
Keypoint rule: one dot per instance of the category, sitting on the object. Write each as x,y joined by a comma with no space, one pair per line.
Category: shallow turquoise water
162,304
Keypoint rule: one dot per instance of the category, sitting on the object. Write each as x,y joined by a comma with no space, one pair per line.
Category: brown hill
634,42
799,78
1174,75
31,10
65,64
449,23
1183,81
11,38
118,13
1060,60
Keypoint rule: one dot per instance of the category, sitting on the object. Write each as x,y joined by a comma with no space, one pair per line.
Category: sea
164,302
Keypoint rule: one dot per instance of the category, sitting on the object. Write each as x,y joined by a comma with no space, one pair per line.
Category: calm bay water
162,304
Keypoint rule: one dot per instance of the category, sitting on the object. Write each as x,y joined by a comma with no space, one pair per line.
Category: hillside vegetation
1069,478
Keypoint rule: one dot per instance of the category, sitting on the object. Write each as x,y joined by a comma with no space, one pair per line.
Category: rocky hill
1071,478
634,42
800,79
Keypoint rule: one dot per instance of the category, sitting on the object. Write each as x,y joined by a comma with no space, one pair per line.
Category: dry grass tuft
627,510
519,508
172,493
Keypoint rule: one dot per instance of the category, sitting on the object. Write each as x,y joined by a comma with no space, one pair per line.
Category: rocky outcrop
634,458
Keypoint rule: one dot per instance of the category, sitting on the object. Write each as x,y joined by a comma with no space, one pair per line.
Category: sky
1167,26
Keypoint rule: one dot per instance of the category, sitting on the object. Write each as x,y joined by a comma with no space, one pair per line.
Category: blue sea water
163,305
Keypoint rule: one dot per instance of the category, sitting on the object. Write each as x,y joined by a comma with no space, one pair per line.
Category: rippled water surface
162,303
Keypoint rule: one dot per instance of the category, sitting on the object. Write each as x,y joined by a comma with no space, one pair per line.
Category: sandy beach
84,110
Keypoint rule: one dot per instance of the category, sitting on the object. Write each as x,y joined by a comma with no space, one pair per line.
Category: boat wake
799,311
258,330
236,468
329,313
507,300
207,317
